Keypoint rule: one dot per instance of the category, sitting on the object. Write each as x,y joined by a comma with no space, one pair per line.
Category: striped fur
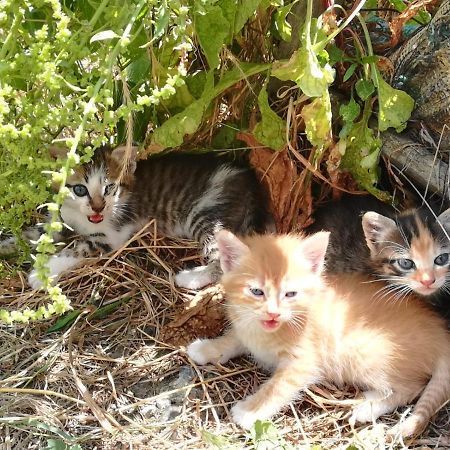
190,196
309,329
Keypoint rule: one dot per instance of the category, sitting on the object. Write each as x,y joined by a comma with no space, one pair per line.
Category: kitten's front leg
70,257
200,276
288,380
218,350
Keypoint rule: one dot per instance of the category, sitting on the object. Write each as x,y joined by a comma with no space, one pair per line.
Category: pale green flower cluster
62,67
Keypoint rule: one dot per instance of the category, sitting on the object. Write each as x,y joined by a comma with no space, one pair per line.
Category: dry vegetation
117,377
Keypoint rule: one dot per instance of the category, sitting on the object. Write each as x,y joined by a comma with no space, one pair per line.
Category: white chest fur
263,346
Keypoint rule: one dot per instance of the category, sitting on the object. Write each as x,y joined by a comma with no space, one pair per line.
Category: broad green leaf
335,54
212,30
317,117
281,24
305,70
103,36
245,10
364,89
225,138
229,8
172,131
271,131
361,152
138,70
395,106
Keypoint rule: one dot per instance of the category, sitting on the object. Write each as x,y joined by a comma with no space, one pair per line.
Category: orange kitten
308,330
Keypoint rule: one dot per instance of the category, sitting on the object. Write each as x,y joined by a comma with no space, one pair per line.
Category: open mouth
95,218
270,325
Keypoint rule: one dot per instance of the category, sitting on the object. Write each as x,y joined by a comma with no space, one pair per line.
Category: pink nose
427,282
273,316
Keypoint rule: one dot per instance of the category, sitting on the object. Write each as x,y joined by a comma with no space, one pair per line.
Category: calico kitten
409,250
309,329
190,196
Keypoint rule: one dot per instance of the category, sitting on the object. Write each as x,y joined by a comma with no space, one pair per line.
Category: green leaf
103,36
57,444
281,24
266,436
303,67
364,89
271,131
349,72
369,59
317,117
219,442
335,54
245,10
138,70
361,152
162,21
64,321
171,133
212,41
395,106
105,311
350,111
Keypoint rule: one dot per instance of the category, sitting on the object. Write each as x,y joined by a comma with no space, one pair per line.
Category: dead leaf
202,317
277,173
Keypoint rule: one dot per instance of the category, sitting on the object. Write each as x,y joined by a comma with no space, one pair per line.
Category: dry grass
117,380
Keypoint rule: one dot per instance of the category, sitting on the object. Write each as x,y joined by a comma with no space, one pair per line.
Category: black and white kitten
410,250
190,196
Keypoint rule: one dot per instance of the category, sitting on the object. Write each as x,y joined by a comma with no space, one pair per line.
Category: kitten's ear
376,227
444,219
125,155
231,249
314,249
58,151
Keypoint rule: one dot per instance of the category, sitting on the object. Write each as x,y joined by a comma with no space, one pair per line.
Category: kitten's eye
442,259
80,190
109,188
290,294
257,292
406,264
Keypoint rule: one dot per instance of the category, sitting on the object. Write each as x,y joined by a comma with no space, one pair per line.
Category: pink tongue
95,218
270,324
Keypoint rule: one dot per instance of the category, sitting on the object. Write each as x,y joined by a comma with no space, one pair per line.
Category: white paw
196,278
242,416
57,264
197,351
408,427
363,413
203,351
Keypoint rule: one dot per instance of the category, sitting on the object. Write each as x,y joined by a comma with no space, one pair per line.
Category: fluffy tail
434,396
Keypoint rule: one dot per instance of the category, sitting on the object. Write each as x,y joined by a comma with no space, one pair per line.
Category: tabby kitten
190,196
409,250
309,329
